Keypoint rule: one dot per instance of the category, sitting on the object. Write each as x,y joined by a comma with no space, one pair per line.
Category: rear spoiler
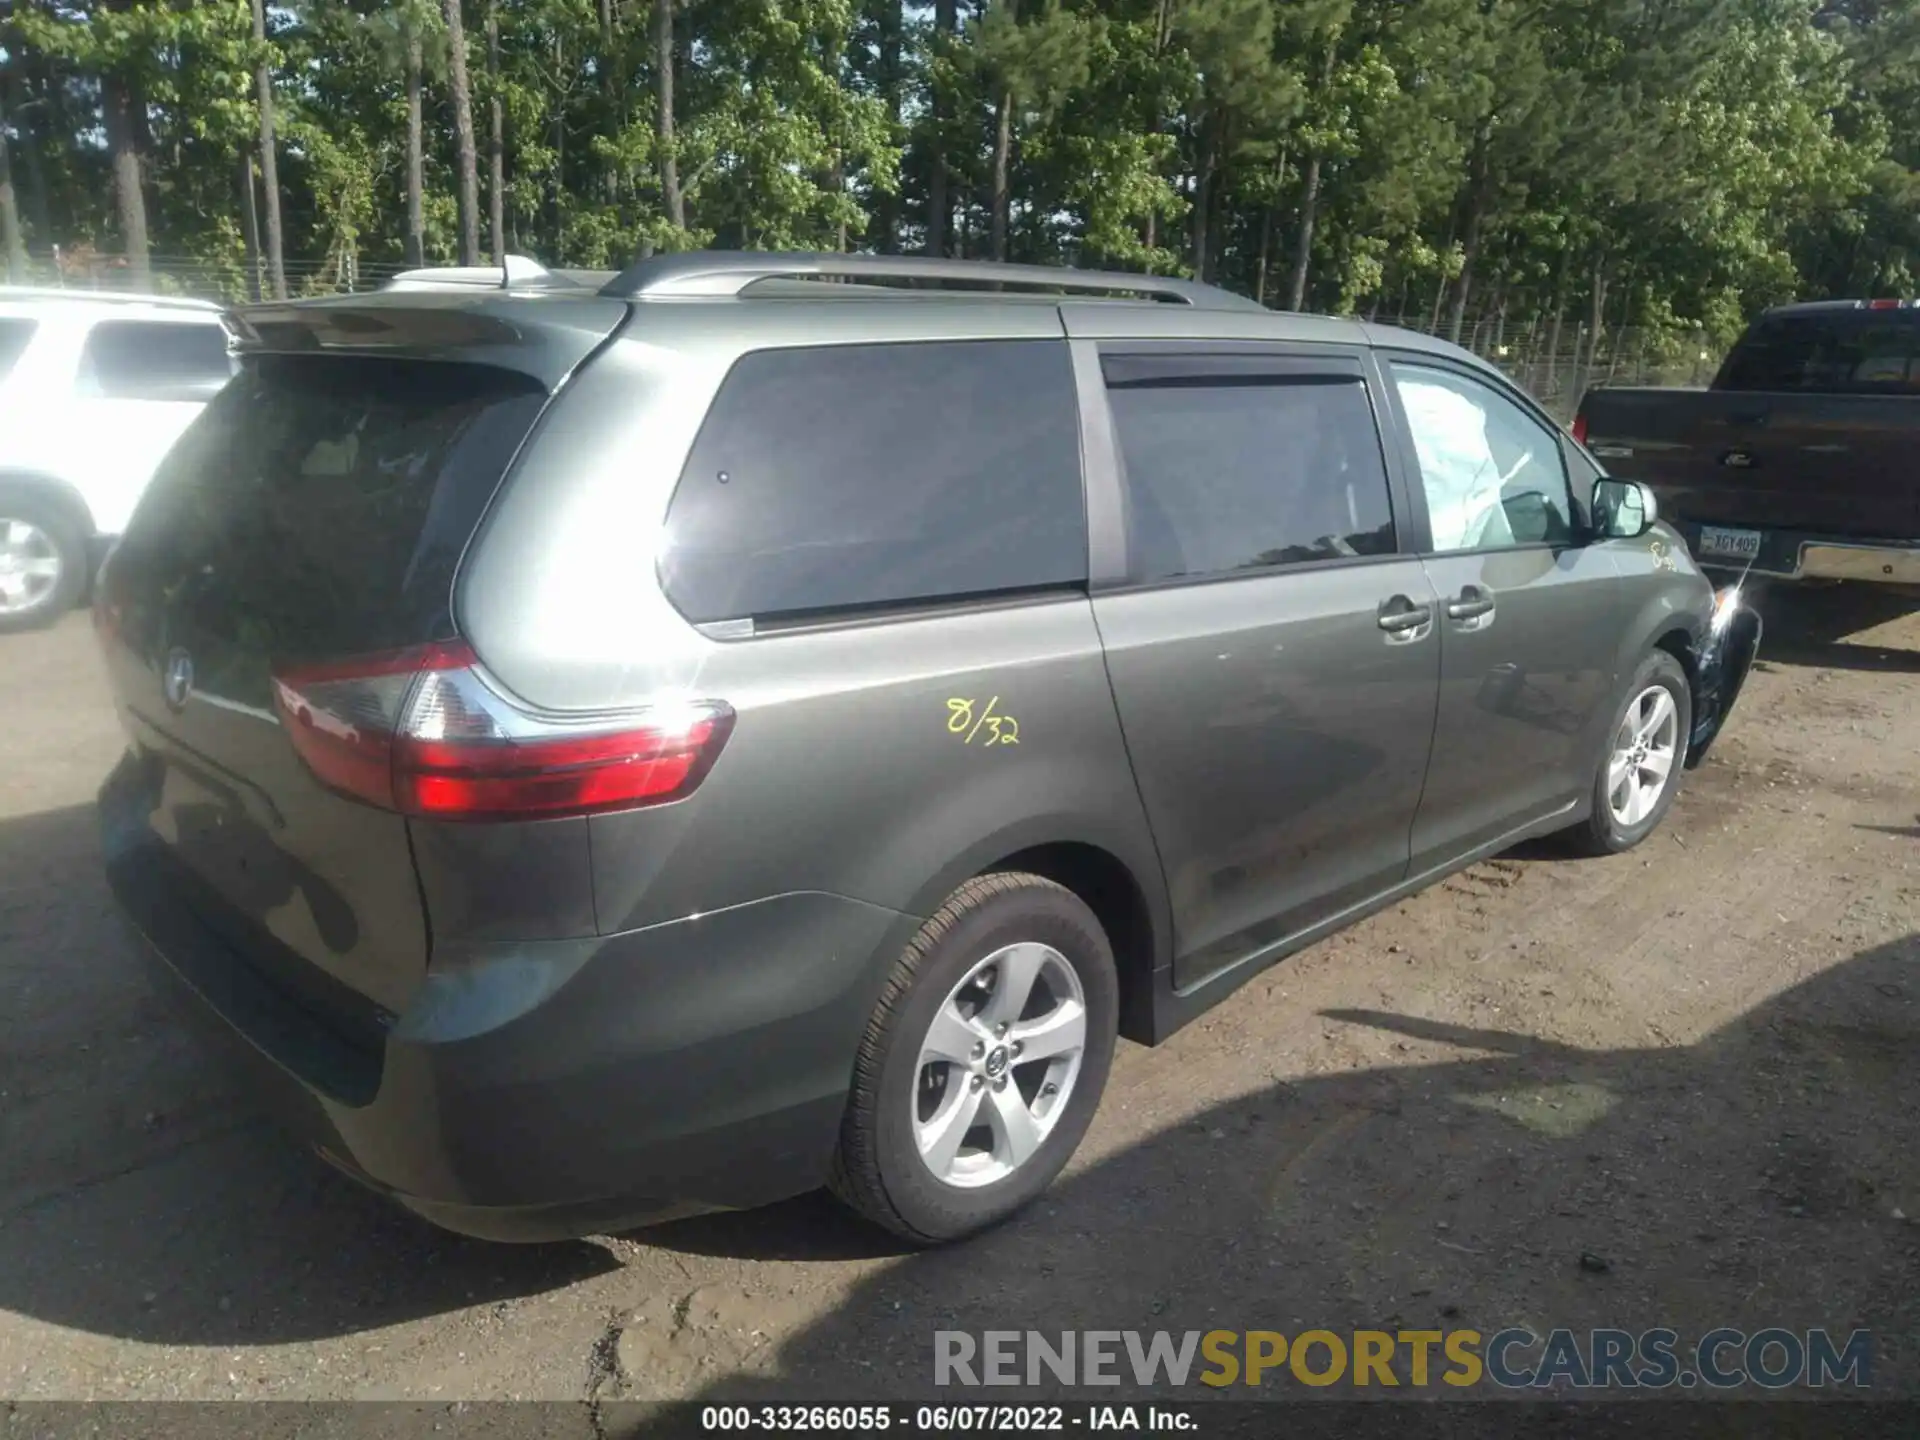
544,336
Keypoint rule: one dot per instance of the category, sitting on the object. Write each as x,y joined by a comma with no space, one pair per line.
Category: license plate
1736,544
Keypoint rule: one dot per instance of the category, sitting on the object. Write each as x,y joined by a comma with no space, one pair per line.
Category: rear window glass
318,507
859,476
15,335
155,360
1858,350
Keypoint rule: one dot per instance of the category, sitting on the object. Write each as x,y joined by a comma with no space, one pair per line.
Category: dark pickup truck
1801,461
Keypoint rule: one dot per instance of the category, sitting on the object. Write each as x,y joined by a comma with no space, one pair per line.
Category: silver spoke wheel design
1645,749
998,1065
30,566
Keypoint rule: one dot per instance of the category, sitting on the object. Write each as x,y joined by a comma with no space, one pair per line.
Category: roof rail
1814,307
513,270
104,297
731,273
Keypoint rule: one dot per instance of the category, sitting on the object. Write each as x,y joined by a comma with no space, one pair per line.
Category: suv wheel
43,566
983,1063
1640,767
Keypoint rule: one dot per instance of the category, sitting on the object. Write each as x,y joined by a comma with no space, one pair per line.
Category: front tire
983,1062
1640,764
43,562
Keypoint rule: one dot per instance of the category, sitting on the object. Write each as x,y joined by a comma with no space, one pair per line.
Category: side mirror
1623,509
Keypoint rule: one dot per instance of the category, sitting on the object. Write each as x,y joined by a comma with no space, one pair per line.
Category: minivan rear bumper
548,1090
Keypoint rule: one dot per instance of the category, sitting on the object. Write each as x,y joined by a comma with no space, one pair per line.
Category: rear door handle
1400,615
1470,604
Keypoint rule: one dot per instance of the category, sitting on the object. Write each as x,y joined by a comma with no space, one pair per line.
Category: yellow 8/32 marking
970,718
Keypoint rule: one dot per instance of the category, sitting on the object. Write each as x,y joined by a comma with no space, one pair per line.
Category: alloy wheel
998,1065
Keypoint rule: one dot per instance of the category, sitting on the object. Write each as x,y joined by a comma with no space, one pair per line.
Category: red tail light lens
1885,304
420,731
1580,428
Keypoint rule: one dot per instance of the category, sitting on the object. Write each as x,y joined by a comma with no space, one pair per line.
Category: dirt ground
1697,1065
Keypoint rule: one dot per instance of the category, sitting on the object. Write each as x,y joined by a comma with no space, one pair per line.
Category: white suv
94,390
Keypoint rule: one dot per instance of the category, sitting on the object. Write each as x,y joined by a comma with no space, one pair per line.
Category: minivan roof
486,320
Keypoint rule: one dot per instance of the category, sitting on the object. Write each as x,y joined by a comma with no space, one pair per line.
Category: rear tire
43,562
968,1094
1649,731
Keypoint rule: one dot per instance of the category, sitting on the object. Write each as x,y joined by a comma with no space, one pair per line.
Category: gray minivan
777,720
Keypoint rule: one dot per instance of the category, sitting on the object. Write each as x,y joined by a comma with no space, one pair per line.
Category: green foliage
1681,161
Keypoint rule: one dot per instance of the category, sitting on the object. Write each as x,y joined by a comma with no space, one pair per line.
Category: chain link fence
1556,364
1557,369
83,268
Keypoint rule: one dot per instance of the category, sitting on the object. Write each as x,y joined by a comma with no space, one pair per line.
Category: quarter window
1234,464
850,477
1494,476
155,360
15,335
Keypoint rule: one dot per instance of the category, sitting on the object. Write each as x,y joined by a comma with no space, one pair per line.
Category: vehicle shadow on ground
1754,1178
142,1193
1819,626
1749,1179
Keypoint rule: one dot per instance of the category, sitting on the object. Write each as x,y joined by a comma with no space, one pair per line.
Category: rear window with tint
318,507
15,335
155,360
1843,351
851,477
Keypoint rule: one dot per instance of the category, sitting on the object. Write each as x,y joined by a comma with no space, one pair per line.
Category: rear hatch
316,513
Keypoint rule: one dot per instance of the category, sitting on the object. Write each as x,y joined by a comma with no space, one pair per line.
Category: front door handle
1470,604
1400,615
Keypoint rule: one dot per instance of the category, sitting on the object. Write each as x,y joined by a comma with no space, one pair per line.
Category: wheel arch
1119,881
52,488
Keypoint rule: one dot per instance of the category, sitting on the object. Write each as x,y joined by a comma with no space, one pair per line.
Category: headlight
1726,604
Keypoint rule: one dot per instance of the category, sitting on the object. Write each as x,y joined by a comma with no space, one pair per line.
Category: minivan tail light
1580,428
421,732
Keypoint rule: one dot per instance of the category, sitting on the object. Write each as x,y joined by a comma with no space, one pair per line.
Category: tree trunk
892,25
1002,158
663,96
1266,249
496,141
250,226
12,240
39,209
1207,162
269,160
1477,180
469,159
946,19
1310,200
1559,324
1162,37
1590,352
416,246
123,145
1303,243
837,178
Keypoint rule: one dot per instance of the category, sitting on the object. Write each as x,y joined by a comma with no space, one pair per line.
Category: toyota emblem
179,678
